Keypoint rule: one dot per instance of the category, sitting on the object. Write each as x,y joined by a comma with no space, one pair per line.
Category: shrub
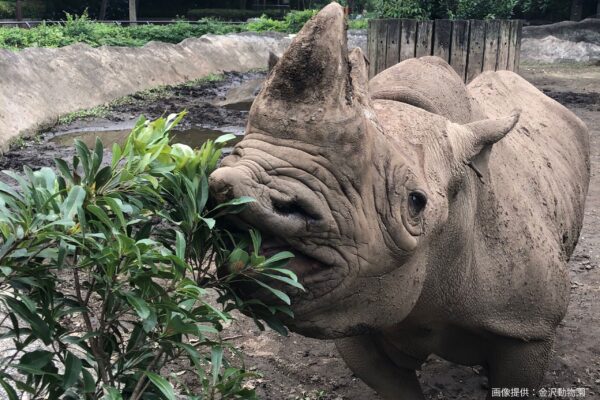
82,29
485,9
31,9
362,23
401,9
292,23
233,14
7,9
105,269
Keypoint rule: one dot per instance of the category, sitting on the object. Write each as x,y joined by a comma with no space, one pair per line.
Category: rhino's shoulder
428,83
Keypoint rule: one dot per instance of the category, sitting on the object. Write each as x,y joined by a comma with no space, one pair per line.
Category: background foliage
83,29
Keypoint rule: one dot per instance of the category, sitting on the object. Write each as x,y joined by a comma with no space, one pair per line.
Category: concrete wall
565,41
38,85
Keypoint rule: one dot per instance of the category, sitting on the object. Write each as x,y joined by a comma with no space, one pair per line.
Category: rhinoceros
426,216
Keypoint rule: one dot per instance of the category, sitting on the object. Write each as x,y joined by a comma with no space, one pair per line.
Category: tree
132,11
103,7
19,10
576,10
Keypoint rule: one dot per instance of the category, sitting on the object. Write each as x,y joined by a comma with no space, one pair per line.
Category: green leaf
180,245
256,240
150,323
89,384
38,326
35,360
74,200
116,155
116,209
100,214
98,154
162,384
139,305
10,391
210,222
287,280
78,339
103,176
84,155
176,326
111,393
238,201
282,296
72,370
45,178
216,360
191,351
275,261
225,138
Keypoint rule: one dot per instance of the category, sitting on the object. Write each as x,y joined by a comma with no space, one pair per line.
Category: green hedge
292,22
233,14
82,30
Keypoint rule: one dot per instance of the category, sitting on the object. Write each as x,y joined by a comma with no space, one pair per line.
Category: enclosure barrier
470,47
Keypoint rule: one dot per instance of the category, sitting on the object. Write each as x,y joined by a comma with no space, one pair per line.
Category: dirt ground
299,368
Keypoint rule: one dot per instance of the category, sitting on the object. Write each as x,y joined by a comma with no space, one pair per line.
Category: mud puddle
207,118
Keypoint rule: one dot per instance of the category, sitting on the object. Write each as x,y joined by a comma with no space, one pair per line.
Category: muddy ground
295,367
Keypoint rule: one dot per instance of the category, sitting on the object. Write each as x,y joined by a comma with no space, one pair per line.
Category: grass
153,94
80,29
96,112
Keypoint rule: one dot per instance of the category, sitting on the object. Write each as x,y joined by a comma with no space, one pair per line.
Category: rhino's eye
416,203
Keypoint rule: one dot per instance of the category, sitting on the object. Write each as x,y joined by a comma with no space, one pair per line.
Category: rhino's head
332,188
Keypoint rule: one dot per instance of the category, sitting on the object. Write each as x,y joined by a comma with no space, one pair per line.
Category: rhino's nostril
292,208
221,190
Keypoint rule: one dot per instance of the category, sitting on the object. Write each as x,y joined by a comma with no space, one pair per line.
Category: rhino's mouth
310,270
318,277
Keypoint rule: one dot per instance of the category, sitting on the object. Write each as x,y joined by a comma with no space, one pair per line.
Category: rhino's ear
359,75
273,60
479,139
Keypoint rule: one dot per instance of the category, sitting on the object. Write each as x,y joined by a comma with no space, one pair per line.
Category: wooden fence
469,46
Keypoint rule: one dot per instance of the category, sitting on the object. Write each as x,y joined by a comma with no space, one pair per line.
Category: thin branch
140,388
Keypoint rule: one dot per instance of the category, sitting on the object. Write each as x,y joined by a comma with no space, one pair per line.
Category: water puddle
193,137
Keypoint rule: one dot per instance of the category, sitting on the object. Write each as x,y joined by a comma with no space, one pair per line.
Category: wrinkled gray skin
341,169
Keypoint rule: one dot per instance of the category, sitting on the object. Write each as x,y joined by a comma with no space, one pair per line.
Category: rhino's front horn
314,69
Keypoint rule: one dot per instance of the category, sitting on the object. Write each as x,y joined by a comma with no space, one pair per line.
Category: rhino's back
428,83
540,170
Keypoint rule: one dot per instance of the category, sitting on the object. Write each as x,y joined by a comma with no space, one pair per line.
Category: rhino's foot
368,362
514,364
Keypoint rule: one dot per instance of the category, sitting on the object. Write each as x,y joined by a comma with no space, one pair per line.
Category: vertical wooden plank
442,33
381,35
393,43
503,45
408,39
372,47
459,47
490,57
512,45
424,38
518,46
476,46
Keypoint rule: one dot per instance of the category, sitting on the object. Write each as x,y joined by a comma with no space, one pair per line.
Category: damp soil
300,368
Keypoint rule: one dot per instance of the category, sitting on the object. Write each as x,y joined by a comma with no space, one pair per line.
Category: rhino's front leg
366,359
517,364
